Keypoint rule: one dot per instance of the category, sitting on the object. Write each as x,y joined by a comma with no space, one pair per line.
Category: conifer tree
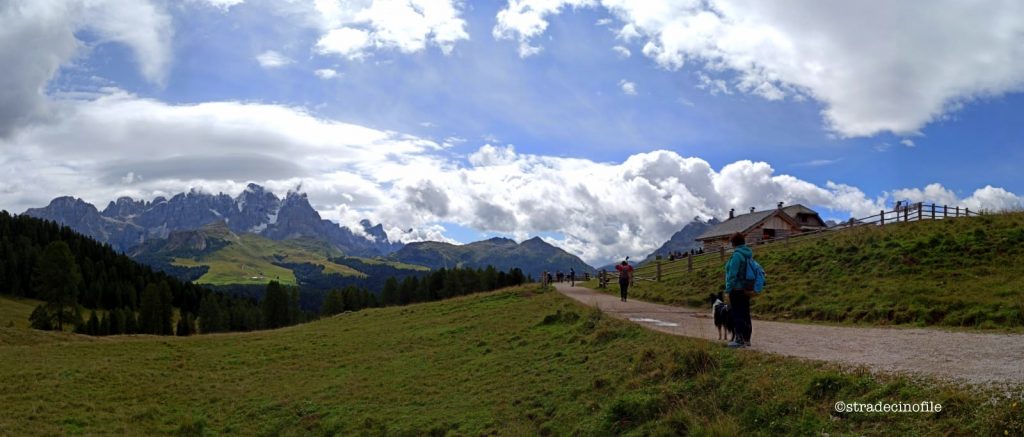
57,279
275,306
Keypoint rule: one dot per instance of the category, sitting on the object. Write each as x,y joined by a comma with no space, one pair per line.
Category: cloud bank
602,210
875,66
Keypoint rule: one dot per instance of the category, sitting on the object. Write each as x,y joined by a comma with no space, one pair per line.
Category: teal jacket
732,268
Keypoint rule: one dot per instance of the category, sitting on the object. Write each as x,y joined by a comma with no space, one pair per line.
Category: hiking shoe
734,344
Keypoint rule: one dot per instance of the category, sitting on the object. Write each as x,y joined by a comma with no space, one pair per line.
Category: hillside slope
223,257
533,256
959,272
506,363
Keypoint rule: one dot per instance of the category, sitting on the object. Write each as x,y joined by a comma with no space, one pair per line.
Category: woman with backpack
625,277
737,287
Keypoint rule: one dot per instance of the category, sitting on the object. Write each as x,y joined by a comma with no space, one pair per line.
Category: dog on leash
721,313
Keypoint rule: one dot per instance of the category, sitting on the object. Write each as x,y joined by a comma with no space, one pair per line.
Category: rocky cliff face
127,223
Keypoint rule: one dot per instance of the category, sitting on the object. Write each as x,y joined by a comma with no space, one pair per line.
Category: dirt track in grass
969,357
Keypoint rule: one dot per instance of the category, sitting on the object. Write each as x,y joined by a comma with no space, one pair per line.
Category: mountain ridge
127,223
533,256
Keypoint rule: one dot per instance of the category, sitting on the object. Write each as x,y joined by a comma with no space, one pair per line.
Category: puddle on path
655,322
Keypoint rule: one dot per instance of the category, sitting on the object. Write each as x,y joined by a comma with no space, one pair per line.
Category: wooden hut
762,225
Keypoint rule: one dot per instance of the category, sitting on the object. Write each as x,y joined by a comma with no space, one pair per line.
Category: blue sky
488,113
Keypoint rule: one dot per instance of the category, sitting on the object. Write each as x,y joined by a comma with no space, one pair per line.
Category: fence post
967,212
659,271
957,212
945,211
920,215
721,252
882,221
933,211
689,263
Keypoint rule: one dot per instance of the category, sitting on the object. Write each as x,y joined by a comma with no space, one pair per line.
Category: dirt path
973,358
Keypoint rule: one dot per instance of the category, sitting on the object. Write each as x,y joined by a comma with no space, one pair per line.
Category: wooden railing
658,270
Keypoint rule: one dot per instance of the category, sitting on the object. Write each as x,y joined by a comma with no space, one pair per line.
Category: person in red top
625,277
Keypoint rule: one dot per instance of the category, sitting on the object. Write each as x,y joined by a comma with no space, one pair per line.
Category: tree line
437,285
73,274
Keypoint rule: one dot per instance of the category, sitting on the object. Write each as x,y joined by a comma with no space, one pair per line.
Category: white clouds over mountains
110,142
144,148
876,66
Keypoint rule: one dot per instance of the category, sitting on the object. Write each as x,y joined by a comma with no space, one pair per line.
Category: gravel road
960,356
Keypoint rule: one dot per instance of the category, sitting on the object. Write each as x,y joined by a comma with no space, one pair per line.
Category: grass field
395,264
955,273
250,258
14,311
513,362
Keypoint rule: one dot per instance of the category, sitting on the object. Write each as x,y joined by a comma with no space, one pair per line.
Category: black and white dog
720,311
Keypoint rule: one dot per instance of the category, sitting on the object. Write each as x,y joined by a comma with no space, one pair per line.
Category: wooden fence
660,269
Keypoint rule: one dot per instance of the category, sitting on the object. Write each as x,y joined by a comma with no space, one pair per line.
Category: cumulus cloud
38,37
523,20
272,59
602,210
908,142
628,88
352,29
988,198
326,73
623,52
921,61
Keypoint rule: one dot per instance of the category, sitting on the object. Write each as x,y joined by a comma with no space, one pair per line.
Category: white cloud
713,86
273,59
628,88
920,61
144,148
524,20
622,52
346,41
38,37
988,198
352,29
223,5
489,155
326,73
908,142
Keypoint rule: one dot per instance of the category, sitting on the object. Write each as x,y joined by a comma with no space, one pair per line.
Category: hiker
739,300
625,277
572,277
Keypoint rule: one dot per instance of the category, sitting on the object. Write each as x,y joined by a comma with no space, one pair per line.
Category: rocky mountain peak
127,223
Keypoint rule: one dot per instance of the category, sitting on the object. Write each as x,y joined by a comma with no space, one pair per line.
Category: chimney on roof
751,209
780,205
732,212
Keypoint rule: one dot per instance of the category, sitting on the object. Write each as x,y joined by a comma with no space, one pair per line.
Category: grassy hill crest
965,272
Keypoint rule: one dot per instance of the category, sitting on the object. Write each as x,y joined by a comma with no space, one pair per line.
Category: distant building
762,225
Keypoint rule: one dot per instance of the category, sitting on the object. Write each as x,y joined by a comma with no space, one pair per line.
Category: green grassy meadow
14,311
249,260
966,272
514,362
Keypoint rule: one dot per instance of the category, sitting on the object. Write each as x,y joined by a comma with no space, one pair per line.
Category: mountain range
256,236
533,256
128,223
683,240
